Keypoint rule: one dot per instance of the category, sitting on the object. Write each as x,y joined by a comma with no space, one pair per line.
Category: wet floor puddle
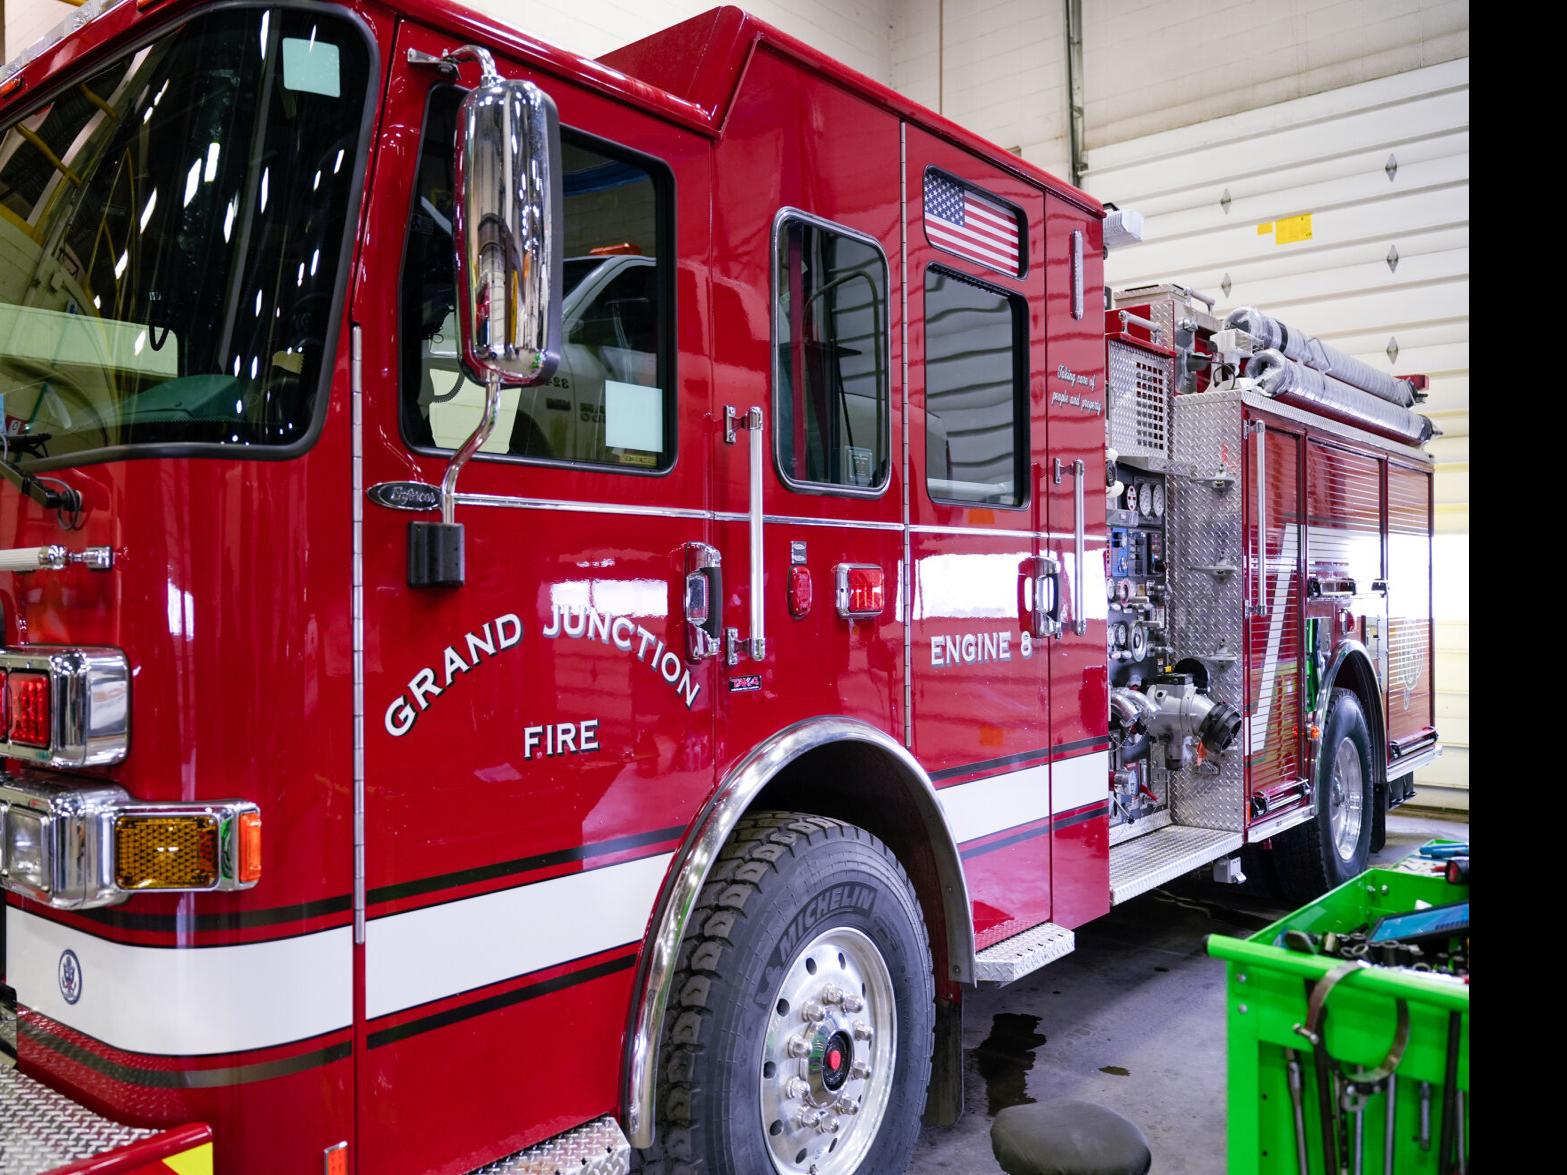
1004,1058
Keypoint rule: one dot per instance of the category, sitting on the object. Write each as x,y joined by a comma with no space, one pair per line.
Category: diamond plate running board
1012,958
1137,866
42,1130
595,1148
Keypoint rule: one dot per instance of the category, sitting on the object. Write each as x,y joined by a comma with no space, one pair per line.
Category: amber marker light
248,869
166,852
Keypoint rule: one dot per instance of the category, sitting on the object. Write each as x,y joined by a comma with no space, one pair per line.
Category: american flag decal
960,220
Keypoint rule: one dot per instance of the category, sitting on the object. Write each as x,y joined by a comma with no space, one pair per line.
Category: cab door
1073,388
535,740
983,594
806,318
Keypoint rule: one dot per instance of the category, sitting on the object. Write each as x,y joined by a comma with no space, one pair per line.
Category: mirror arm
486,60
475,441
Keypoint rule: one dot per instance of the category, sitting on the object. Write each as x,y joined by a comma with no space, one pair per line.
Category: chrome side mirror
509,244
508,232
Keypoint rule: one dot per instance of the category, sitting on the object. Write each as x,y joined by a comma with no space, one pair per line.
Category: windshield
171,237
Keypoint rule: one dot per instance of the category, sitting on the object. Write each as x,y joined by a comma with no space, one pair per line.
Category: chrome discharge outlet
1184,710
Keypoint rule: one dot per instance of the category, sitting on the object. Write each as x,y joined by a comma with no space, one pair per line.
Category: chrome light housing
58,841
55,842
89,700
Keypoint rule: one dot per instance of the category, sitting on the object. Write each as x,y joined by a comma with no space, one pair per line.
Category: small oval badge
406,495
70,976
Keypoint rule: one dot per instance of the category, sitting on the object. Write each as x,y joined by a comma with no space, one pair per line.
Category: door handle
1040,614
703,600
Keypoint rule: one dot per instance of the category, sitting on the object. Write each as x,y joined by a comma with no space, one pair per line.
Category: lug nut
813,1012
797,1047
832,994
828,1125
805,1119
852,1003
796,1088
862,1030
860,1069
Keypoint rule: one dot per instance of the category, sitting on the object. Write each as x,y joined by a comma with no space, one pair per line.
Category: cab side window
611,401
830,358
976,417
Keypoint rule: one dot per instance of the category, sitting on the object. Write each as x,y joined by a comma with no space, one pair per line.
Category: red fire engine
557,606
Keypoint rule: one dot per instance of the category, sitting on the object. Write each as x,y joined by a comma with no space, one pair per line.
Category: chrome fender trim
693,860
1346,649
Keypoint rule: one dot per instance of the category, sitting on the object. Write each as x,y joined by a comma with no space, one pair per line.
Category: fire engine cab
555,607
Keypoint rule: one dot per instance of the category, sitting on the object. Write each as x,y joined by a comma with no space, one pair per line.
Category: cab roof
689,73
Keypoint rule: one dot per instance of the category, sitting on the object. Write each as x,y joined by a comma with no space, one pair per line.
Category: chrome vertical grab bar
1261,606
1079,620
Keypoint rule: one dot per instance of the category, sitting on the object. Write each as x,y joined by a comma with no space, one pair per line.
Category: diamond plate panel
596,1148
1149,861
1023,953
41,1129
1207,608
1140,383
1144,825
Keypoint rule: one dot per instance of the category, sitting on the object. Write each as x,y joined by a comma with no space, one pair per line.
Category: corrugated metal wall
1382,169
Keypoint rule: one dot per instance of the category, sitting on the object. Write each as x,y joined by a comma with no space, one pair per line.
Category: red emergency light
862,590
799,591
27,706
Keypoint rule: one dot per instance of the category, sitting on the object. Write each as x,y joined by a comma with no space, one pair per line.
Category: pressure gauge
1139,644
1145,499
1123,590
1158,499
1120,635
1131,498
1110,590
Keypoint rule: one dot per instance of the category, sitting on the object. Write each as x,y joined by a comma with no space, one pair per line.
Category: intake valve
1181,709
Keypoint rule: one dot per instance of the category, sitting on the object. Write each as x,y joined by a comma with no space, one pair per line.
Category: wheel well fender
808,766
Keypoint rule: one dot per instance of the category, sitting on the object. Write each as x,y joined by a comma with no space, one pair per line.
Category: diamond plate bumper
42,1131
595,1148
1012,958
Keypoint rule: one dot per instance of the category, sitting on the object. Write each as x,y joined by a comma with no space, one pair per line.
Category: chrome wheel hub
1346,800
827,1059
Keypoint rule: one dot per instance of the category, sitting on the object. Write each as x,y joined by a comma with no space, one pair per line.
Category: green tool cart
1266,993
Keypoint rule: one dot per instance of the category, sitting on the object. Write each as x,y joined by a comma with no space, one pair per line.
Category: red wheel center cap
834,1059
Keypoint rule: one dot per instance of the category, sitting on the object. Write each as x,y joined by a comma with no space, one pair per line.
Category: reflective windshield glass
171,232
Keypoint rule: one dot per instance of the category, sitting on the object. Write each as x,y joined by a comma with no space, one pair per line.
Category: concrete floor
1133,1020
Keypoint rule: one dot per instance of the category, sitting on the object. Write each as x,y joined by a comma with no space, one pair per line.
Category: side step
1012,958
594,1148
1137,866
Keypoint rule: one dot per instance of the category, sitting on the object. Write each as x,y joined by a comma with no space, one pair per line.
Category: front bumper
45,1133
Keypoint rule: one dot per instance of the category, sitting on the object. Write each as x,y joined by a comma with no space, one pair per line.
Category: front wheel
802,1018
1326,852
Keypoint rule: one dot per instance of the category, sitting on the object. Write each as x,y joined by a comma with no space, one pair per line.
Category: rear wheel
1326,852
802,1018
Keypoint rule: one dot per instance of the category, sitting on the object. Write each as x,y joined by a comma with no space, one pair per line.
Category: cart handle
1313,967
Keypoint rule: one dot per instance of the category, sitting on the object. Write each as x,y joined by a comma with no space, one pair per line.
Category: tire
797,905
1327,851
